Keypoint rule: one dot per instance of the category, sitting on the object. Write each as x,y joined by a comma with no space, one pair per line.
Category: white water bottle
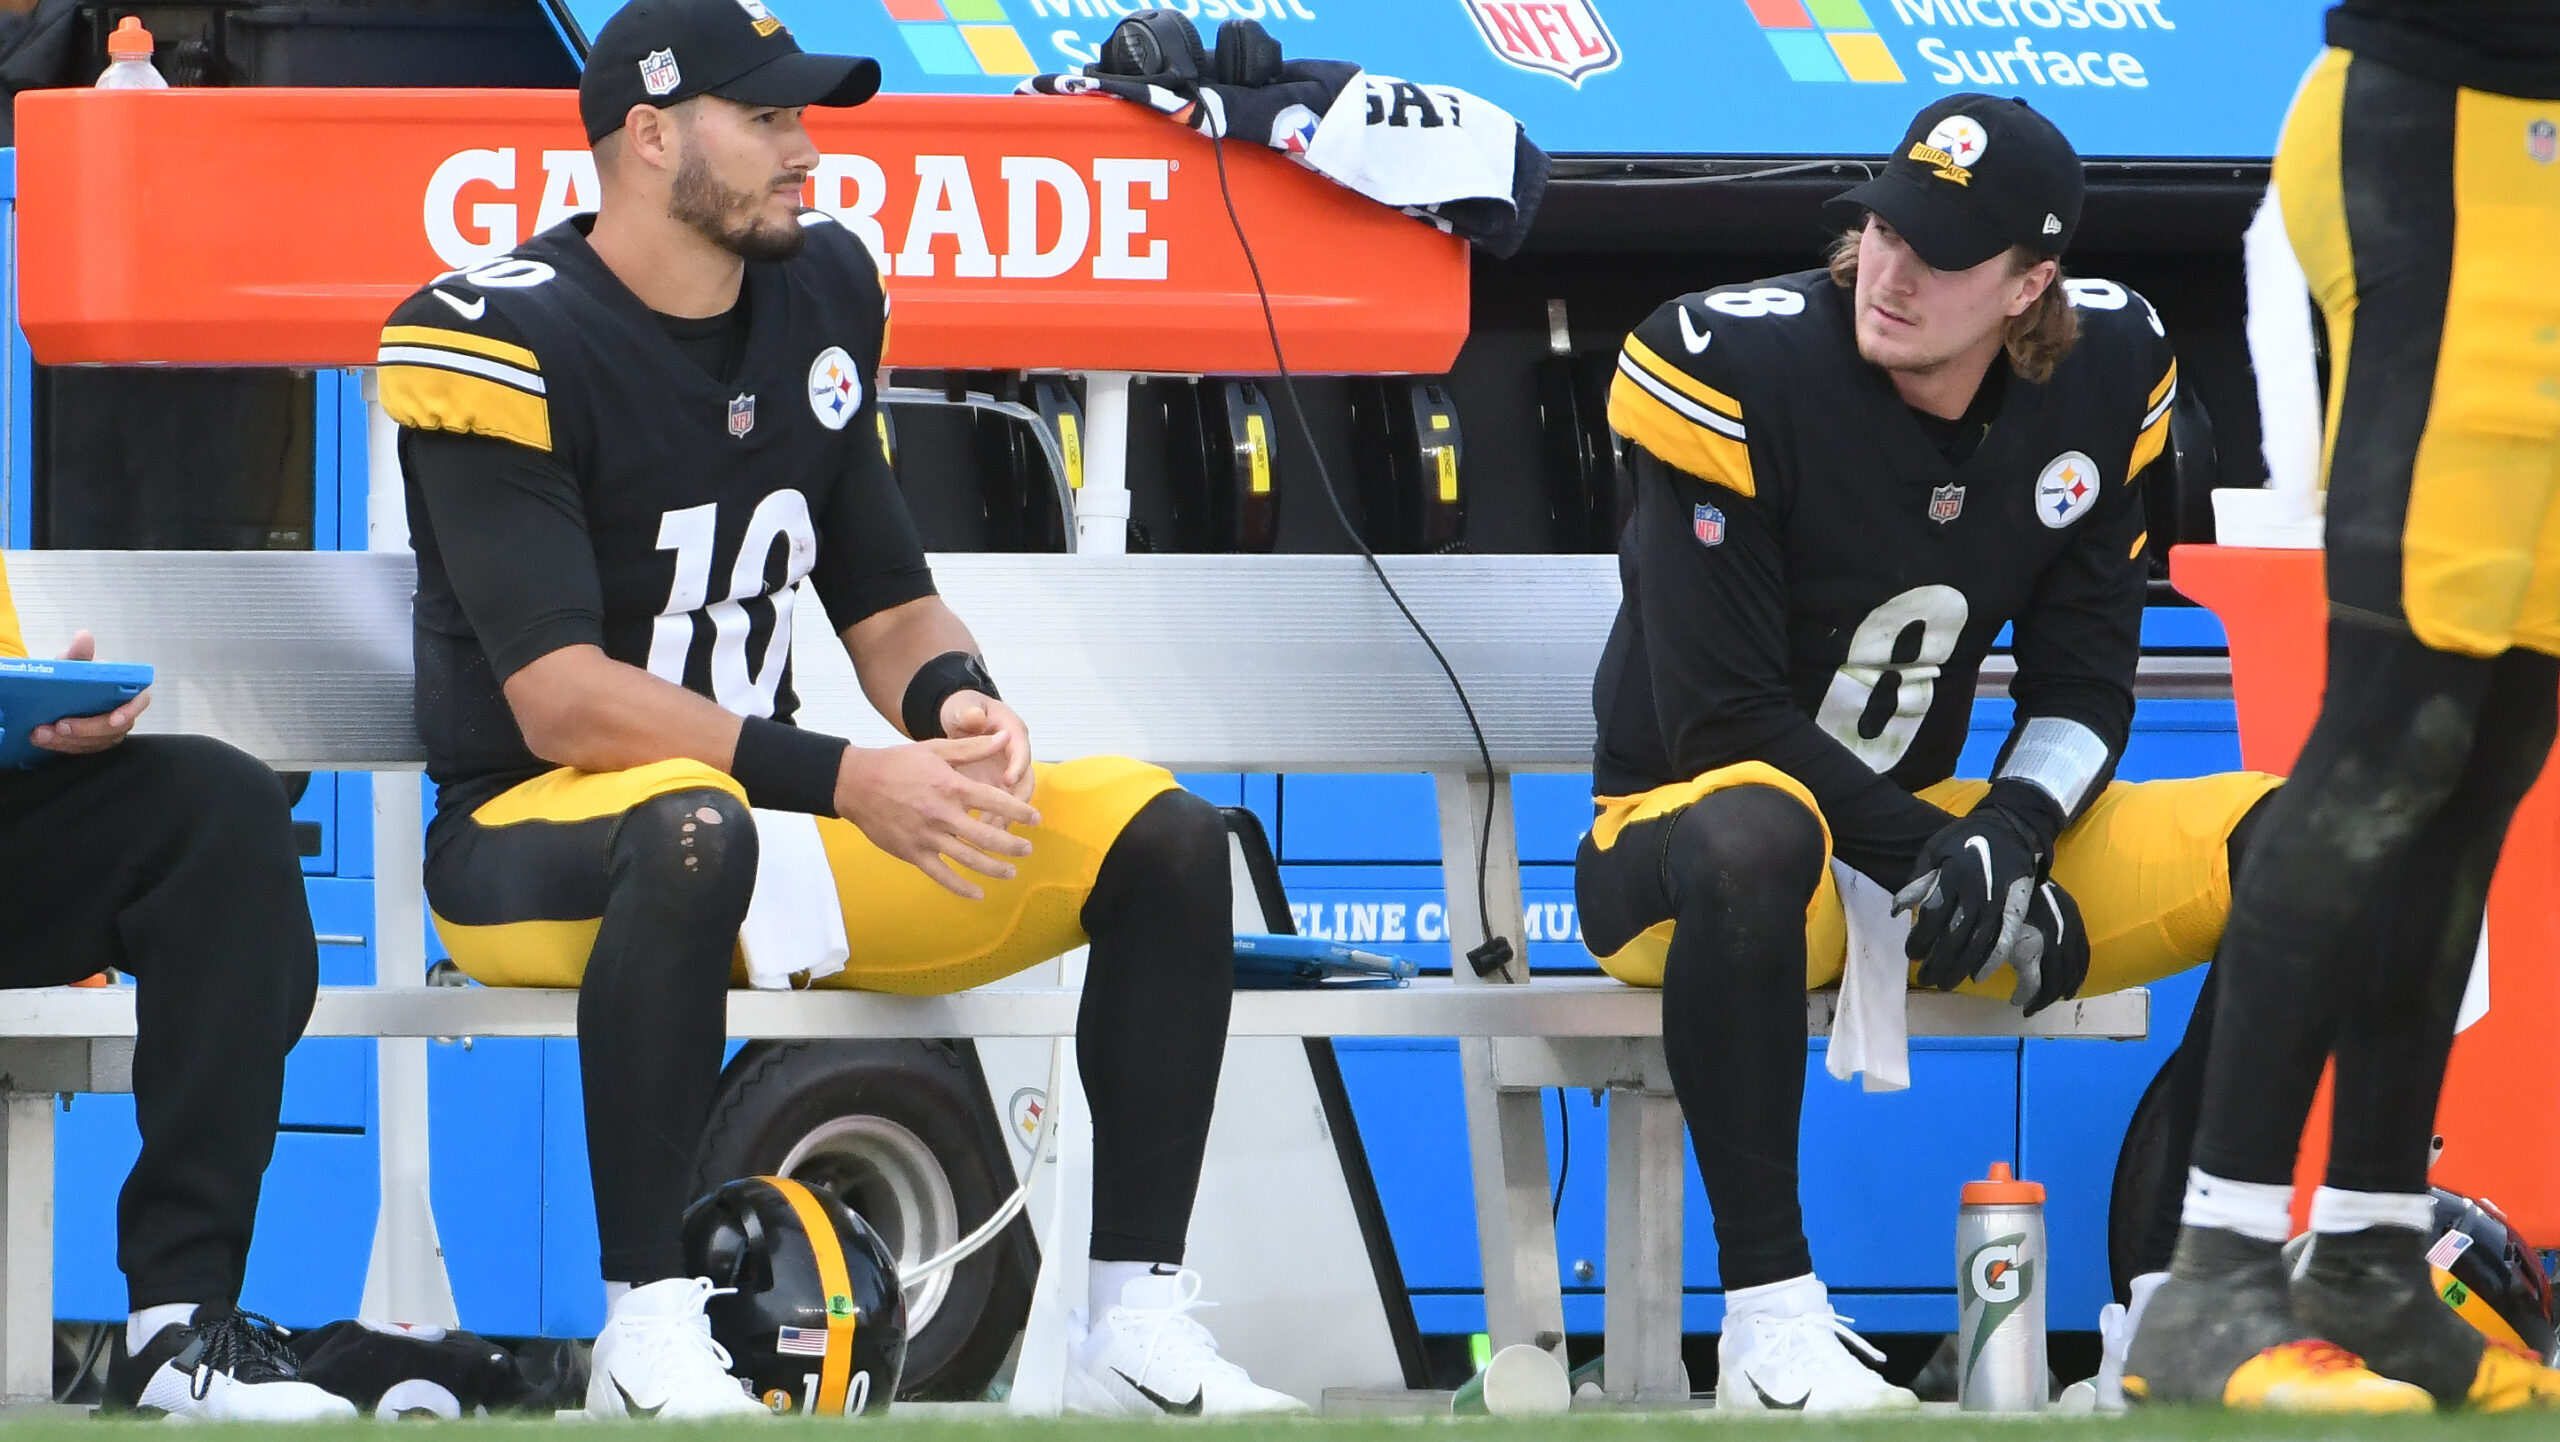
129,59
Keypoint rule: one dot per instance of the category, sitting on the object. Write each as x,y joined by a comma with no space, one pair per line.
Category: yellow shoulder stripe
13,642
428,398
462,341
2160,392
1681,381
1677,439
2148,446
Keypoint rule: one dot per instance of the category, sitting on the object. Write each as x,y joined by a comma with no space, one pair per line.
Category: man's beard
731,219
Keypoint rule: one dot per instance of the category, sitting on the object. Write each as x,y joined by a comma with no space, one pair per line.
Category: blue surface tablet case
34,693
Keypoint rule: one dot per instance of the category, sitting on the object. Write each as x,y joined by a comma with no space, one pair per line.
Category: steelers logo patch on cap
1953,146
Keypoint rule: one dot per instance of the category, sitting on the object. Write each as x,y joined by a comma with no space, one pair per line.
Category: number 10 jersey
1812,583
616,492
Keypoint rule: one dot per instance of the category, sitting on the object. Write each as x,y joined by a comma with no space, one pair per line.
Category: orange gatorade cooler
2501,1100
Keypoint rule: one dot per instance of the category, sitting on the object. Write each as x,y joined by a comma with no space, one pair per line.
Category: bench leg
1515,1231
406,1279
26,1266
1645,1205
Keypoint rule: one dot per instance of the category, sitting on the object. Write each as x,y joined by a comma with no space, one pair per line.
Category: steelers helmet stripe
461,340
835,1375
521,379
1675,379
1695,413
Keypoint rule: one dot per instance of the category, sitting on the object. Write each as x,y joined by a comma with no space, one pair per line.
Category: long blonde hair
2037,338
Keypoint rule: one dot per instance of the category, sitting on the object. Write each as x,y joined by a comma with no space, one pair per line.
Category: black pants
669,881
171,858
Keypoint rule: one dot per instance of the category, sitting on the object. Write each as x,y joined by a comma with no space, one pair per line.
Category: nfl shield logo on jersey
1707,523
1946,503
1564,38
2066,490
742,416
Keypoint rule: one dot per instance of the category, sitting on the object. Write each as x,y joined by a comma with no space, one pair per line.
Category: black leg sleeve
172,859
1151,1032
2393,743
653,1016
2391,1057
1736,871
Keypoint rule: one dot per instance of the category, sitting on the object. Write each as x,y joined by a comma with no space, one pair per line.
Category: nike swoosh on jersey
1772,1403
1163,1403
1695,339
630,1403
476,308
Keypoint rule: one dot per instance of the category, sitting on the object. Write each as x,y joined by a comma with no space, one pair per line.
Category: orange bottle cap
2002,1188
130,41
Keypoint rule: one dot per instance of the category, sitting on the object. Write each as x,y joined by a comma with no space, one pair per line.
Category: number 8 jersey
581,472
1811,582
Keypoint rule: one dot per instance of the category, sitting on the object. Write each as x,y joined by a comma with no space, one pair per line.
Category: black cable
1564,1158
1495,951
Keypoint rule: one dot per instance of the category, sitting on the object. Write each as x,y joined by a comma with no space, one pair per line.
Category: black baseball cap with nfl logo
1975,175
664,52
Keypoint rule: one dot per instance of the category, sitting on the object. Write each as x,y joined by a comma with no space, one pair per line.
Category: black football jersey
698,503
1811,582
2510,47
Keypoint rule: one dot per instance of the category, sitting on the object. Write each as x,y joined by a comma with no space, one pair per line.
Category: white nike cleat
1148,1357
1795,1360
655,1358
2116,1323
225,1366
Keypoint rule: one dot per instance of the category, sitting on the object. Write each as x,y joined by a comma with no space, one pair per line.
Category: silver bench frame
1197,663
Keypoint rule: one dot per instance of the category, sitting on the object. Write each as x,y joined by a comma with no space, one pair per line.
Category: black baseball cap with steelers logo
664,52
1975,175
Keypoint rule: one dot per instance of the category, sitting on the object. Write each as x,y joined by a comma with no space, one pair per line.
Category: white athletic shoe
655,1358
1795,1361
225,1366
2115,1337
1148,1357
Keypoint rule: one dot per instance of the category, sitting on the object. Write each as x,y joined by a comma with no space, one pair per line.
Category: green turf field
1935,1427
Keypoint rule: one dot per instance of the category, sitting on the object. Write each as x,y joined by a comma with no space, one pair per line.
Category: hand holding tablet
74,706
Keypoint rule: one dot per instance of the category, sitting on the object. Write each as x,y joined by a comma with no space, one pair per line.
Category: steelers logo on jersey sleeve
2066,490
835,388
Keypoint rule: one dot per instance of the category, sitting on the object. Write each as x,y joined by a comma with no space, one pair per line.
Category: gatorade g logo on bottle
1998,1282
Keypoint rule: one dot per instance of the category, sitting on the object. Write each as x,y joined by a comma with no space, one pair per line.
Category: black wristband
787,769
2036,815
934,683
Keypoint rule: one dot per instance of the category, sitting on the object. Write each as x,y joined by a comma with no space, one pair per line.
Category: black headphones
1162,48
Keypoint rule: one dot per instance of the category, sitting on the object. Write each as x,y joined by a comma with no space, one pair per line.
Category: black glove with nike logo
1971,887
2052,953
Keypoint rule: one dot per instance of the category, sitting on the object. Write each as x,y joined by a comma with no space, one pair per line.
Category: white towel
795,923
1871,1032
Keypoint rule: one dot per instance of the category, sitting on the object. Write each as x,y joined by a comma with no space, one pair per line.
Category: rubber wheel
903,1131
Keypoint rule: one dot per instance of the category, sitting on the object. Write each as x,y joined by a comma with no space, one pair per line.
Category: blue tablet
38,693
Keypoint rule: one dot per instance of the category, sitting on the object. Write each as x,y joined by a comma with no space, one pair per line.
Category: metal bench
1197,663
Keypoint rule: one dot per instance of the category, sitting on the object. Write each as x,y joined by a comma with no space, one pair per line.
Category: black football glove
1968,897
2052,951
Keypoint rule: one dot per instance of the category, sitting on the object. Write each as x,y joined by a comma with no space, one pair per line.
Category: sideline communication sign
2156,78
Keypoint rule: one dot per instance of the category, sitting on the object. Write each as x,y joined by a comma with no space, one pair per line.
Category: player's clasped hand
2052,954
917,803
88,735
973,713
1968,897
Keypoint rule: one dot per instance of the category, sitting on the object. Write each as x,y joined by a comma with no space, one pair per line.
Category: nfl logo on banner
1946,503
742,416
1564,38
1708,524
2542,141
